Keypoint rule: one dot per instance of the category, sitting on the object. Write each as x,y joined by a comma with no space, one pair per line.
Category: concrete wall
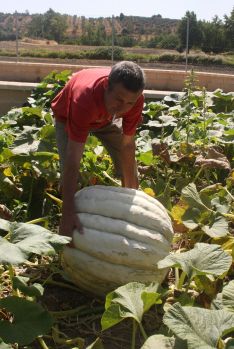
173,80
18,80
157,79
15,94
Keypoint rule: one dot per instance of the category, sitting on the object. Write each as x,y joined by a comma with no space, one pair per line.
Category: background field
47,51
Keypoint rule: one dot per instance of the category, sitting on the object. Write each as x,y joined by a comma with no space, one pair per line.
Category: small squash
126,232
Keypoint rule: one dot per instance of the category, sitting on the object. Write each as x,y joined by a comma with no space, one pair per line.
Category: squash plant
185,149
22,318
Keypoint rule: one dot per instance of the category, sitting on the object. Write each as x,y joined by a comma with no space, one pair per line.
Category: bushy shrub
106,53
166,57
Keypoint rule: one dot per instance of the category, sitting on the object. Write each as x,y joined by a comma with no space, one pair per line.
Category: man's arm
69,219
129,168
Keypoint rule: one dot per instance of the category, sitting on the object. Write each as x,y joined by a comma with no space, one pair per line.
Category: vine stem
231,196
187,287
228,216
181,280
38,220
65,313
143,331
42,343
177,277
60,284
81,311
198,174
58,338
11,272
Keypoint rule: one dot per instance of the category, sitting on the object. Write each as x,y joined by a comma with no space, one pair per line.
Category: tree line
210,36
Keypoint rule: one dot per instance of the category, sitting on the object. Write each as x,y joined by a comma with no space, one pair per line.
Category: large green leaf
11,254
217,228
202,328
21,283
36,239
191,196
131,300
202,259
228,296
26,148
200,214
146,157
40,156
29,321
162,342
4,225
111,316
212,223
26,239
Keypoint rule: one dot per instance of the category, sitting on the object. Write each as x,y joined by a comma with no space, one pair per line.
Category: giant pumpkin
126,232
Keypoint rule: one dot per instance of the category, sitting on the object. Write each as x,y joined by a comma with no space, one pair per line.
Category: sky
204,9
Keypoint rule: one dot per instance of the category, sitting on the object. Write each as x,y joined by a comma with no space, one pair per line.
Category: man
95,100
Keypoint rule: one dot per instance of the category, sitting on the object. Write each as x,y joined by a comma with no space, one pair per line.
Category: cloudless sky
204,9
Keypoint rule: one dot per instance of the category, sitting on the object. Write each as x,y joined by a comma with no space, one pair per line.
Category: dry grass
45,45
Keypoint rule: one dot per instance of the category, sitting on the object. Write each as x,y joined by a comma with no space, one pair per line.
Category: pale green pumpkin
126,232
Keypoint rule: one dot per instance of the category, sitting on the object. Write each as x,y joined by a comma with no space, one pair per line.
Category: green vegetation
155,32
105,53
185,148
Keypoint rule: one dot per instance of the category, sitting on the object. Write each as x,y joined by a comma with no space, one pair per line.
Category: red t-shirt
80,104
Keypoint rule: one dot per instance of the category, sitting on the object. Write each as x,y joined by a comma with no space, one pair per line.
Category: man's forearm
129,167
69,187
69,219
71,171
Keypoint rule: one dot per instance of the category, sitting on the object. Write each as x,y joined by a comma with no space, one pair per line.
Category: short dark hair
129,74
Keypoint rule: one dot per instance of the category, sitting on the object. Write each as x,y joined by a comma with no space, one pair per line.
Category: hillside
135,27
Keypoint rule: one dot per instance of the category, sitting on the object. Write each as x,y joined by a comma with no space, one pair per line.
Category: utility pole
112,40
17,36
187,45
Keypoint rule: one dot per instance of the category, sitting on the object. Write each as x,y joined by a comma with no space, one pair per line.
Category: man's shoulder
90,75
88,85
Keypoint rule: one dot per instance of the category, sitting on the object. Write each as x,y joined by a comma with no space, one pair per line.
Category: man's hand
70,222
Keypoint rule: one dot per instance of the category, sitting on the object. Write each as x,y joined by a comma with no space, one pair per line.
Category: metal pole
112,41
17,36
187,45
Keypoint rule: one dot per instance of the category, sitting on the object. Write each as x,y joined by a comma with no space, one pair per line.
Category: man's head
129,74
125,85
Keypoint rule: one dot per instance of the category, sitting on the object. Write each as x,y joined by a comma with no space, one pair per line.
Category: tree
229,28
36,27
121,16
213,33
51,25
55,25
195,33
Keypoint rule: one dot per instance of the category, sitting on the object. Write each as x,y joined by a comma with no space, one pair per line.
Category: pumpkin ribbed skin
126,232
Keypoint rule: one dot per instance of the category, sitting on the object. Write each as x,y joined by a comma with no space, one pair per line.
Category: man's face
119,100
